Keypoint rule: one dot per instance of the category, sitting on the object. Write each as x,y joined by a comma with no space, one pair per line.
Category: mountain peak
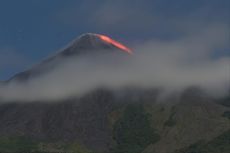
92,41
85,44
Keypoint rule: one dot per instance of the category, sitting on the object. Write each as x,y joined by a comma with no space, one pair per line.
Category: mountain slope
131,120
194,117
86,44
92,120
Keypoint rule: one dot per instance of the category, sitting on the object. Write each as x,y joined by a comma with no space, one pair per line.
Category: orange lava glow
115,43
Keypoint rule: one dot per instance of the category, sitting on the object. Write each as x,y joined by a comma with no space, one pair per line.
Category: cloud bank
172,65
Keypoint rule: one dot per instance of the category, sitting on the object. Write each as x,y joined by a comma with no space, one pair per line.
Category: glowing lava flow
115,43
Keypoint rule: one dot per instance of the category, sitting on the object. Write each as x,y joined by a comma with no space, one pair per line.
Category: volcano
91,43
131,120
85,44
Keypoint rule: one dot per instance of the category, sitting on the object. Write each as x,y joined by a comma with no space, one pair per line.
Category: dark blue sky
30,30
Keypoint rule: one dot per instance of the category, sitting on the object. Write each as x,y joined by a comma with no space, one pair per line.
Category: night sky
31,30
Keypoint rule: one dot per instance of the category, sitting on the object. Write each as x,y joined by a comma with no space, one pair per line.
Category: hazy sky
30,30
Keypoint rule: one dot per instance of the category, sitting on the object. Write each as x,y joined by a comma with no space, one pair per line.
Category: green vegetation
76,148
17,144
170,122
225,101
25,145
218,145
226,114
133,131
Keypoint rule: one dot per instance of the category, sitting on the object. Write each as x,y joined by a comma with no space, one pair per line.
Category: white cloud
173,65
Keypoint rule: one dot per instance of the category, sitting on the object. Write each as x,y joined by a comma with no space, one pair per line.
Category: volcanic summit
94,42
89,43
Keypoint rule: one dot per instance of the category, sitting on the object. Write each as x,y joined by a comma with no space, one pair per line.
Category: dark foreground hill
104,122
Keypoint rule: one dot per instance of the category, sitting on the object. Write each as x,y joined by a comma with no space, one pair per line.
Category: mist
173,65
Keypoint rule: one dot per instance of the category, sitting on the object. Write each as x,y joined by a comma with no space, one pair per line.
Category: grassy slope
133,131
185,124
17,144
24,145
220,144
179,126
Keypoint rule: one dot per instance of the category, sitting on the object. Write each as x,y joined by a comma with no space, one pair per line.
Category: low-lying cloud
172,65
